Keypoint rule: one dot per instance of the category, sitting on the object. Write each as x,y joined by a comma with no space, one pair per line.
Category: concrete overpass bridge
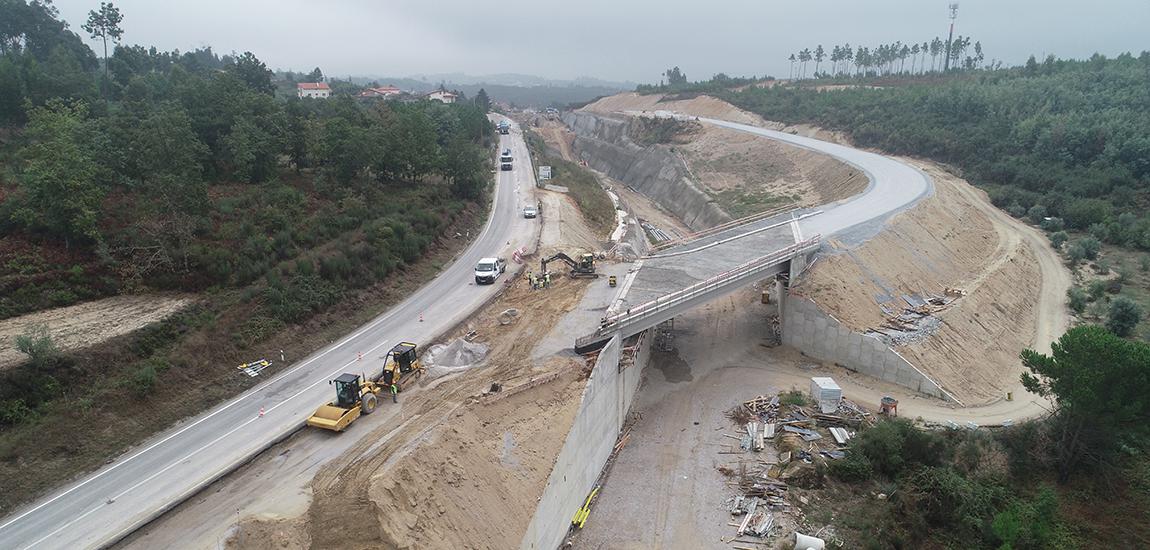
676,279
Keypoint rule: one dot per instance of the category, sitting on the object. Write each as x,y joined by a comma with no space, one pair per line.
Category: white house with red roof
319,90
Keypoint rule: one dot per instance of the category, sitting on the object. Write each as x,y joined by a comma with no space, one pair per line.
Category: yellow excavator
354,396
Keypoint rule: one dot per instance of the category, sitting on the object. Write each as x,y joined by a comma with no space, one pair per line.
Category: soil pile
454,357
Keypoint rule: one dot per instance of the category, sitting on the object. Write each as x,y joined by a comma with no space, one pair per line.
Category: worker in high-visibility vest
394,393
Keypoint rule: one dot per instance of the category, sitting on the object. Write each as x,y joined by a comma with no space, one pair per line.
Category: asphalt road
113,501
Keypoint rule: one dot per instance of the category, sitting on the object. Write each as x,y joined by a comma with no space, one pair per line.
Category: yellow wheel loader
401,366
354,397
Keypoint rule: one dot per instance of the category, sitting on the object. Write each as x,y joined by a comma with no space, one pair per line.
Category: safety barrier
690,237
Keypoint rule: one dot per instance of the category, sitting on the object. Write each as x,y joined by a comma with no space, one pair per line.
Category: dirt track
82,325
564,229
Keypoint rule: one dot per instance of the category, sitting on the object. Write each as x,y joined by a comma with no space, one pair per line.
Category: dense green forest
1071,138
287,221
182,171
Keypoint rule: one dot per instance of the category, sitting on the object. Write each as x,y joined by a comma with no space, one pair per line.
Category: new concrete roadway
110,503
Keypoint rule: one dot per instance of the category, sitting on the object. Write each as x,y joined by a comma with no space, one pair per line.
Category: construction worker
547,279
394,393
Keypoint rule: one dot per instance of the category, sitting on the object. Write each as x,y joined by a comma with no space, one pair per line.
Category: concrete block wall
606,401
817,334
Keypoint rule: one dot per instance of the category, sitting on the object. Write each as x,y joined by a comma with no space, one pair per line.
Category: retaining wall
606,400
819,335
655,171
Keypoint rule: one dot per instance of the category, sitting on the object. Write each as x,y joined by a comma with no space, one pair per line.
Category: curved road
110,503
894,186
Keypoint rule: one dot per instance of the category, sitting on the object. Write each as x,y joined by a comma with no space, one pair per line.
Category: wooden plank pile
801,436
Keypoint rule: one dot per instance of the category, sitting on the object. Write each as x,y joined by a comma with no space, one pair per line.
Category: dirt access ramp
564,227
458,469
89,323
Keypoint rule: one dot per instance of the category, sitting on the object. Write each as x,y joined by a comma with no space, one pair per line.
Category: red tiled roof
312,86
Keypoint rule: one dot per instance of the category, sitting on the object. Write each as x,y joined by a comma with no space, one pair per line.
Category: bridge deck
681,266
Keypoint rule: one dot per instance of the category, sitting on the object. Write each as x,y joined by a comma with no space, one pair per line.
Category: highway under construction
523,427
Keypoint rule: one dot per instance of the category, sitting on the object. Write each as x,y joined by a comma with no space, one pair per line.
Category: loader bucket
333,418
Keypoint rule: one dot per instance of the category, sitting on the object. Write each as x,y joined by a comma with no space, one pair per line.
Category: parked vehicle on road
530,212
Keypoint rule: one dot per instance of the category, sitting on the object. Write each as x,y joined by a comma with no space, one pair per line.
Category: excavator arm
561,257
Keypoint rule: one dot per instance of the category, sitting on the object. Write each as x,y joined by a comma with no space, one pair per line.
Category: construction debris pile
917,320
783,437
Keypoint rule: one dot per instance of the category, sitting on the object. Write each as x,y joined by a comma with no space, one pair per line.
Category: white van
489,269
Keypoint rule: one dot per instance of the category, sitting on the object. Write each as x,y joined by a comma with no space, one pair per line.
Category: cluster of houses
320,90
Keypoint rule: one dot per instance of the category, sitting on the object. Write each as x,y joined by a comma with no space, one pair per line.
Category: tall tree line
887,59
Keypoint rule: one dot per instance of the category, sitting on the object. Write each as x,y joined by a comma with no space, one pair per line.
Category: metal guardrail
644,312
747,220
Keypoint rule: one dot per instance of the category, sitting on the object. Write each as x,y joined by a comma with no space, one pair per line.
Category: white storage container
826,393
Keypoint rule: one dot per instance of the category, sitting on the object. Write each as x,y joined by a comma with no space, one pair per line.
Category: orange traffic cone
420,317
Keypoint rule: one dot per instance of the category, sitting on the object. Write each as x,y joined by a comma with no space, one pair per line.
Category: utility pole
950,38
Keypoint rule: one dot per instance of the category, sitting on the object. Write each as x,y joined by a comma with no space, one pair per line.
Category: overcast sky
612,39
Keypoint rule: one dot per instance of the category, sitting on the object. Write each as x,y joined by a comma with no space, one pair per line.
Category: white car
530,212
489,269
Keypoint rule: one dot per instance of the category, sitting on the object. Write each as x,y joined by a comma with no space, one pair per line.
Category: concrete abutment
821,336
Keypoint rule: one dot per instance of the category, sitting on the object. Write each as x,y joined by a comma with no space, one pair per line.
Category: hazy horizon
610,41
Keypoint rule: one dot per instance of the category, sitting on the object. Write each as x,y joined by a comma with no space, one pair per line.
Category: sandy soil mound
83,325
954,239
455,469
704,106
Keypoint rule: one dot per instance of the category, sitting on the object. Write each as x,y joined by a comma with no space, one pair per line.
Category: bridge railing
657,307
691,237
